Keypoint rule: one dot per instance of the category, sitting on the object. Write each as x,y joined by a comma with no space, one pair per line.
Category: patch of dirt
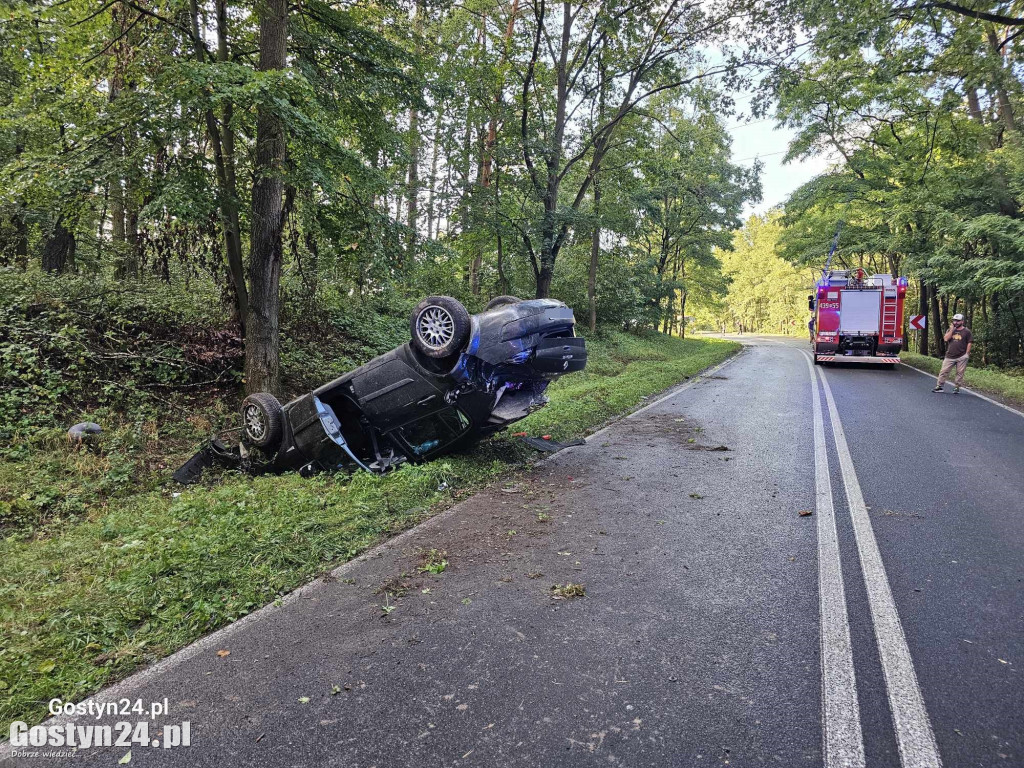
686,431
895,513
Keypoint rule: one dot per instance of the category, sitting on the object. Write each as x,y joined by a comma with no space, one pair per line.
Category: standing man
958,349
810,327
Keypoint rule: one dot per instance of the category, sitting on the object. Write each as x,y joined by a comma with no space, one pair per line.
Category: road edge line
977,394
841,729
914,735
674,390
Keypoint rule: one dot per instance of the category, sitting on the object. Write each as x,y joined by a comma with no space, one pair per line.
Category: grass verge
1003,385
126,578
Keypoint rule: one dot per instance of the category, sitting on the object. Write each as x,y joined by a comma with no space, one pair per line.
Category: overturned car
459,379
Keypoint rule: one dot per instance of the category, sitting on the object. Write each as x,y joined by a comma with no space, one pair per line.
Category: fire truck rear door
859,312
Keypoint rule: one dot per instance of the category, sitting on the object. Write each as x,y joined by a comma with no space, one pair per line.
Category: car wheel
262,420
439,326
501,301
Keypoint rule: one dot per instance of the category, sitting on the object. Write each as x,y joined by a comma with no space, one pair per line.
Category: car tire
501,301
262,420
439,326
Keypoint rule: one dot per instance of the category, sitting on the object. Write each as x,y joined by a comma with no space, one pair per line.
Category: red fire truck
858,318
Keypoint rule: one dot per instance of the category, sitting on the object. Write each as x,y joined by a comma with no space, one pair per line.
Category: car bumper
865,359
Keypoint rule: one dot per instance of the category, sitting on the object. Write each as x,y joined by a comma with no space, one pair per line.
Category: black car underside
408,406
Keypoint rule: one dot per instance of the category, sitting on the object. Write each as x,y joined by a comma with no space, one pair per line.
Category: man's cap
958,316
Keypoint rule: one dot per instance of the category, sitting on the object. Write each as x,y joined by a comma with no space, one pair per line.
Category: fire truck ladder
889,312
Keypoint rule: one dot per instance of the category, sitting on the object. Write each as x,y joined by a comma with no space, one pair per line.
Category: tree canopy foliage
294,155
326,149
919,103
764,292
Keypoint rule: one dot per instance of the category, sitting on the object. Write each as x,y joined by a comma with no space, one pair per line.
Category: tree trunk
59,251
313,248
1005,107
432,181
984,319
262,348
595,255
133,259
18,223
936,323
672,293
222,141
922,309
232,229
117,220
413,188
682,314
503,284
467,141
595,246
20,239
124,216
550,235
974,106
415,142
544,277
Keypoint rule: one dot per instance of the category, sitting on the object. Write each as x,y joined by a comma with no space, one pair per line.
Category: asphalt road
719,625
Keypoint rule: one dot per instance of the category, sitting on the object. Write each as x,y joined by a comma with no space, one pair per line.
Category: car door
390,391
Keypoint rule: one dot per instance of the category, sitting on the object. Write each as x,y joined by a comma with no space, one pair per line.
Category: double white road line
843,739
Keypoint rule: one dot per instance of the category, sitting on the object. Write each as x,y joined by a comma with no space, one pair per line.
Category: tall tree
262,339
652,48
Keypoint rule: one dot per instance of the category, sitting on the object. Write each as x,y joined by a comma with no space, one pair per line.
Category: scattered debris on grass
567,591
87,433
